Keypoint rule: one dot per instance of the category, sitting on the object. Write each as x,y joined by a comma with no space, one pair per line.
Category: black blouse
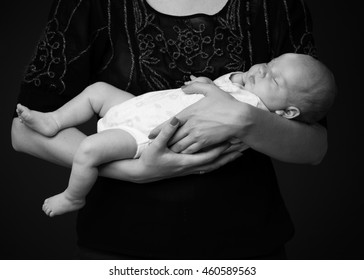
234,212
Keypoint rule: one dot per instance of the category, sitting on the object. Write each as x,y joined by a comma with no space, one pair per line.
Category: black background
325,201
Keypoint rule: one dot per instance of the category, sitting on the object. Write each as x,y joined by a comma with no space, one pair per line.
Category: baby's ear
289,113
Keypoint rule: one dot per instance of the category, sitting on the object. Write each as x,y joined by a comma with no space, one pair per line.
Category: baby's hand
199,79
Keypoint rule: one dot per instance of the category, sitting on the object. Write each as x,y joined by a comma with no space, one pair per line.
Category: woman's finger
182,144
166,133
194,148
219,162
240,147
155,131
206,157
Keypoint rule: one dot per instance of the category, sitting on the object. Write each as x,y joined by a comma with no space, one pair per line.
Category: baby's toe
48,211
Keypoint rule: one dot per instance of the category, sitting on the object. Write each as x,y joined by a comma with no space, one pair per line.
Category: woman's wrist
242,119
130,170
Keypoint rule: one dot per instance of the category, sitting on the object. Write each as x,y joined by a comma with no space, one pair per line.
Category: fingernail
174,121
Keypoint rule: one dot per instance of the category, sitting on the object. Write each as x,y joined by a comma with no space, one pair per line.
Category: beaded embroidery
188,45
49,63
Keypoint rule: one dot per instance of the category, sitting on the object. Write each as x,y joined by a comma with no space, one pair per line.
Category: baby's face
275,82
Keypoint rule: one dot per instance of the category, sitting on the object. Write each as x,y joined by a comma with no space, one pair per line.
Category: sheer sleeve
293,29
65,60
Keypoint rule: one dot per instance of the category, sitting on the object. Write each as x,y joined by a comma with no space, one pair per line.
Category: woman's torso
234,212
228,213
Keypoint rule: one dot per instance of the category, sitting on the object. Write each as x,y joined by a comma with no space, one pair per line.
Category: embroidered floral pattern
234,47
49,62
235,44
188,47
306,44
162,50
145,42
189,44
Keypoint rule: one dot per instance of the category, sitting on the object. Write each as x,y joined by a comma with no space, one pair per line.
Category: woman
207,205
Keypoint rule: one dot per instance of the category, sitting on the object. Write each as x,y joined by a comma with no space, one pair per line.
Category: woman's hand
219,117
213,120
158,162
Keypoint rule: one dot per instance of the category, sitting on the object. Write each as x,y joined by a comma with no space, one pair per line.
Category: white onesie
140,115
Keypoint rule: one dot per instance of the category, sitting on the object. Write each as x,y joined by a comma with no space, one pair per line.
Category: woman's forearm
59,149
157,162
282,139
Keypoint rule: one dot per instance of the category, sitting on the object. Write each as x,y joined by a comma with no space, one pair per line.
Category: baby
291,85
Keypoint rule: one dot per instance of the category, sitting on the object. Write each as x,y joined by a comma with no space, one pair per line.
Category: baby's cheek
248,87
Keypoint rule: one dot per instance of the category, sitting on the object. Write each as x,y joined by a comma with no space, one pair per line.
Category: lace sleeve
62,64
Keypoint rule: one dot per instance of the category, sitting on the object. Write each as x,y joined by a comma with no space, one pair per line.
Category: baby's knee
99,87
87,154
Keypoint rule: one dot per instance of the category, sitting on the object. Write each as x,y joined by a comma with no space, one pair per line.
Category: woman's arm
219,117
59,149
156,163
285,140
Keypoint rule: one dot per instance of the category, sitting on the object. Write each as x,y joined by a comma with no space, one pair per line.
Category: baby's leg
95,99
99,148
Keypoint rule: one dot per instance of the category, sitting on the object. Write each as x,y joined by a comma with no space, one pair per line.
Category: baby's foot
60,204
43,123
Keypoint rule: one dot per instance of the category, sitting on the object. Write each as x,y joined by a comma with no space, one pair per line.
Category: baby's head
294,86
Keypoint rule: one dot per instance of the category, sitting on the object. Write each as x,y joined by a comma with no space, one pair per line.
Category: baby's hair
317,98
